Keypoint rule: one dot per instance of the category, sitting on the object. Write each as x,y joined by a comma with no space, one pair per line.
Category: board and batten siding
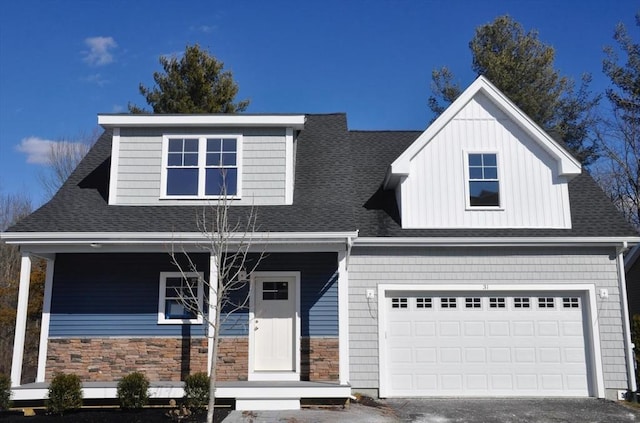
140,165
434,194
369,267
116,295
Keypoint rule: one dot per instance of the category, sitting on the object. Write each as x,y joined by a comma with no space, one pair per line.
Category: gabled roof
322,183
338,188
567,164
376,212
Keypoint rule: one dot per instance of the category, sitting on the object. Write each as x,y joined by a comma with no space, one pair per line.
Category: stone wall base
172,359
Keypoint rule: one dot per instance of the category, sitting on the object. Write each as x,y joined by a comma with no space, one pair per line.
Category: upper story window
201,166
484,186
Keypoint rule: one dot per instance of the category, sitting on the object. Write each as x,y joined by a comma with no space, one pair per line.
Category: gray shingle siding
369,267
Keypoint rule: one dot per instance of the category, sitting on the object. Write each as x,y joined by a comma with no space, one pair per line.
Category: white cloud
99,53
96,78
206,29
36,149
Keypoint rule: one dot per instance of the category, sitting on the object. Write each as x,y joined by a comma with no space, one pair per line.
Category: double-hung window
484,185
201,166
181,297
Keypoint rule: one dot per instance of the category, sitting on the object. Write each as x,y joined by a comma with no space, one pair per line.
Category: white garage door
522,344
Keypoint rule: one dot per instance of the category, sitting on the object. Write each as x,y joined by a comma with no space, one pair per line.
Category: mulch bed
107,416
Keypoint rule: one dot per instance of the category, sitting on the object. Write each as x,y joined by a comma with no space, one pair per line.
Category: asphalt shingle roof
338,179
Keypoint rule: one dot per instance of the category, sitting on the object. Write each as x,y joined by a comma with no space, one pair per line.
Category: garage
478,343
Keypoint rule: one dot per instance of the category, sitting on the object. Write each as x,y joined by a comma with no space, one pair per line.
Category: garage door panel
529,345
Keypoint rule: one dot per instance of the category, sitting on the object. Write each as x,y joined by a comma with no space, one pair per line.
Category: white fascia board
149,238
567,164
495,242
200,120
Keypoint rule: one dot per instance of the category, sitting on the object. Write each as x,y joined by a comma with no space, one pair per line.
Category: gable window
181,297
484,187
201,166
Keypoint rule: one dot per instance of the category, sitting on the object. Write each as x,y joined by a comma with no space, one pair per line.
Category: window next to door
181,298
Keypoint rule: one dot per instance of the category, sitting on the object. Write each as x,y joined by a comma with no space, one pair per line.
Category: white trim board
209,120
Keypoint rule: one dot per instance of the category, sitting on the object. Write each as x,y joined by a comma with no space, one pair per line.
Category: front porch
248,395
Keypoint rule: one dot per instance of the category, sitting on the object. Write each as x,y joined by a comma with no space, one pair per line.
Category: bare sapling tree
619,134
13,207
232,245
63,157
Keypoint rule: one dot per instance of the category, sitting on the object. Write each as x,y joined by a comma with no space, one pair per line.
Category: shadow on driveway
463,410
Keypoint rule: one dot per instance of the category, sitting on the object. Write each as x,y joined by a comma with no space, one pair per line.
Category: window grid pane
483,180
184,168
521,303
472,303
546,302
571,302
275,290
424,303
399,303
448,303
495,302
181,298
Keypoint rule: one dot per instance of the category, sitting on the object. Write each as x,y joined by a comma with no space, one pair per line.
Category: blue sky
63,62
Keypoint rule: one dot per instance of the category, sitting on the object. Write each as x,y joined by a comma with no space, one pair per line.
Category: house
475,258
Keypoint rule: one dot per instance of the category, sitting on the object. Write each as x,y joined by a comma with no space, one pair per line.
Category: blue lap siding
98,295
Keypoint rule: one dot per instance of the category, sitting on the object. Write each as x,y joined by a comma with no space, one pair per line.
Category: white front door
274,328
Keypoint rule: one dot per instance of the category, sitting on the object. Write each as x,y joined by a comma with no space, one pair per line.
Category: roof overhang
59,242
201,120
568,165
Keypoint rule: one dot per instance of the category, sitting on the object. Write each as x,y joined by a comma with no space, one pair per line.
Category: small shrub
65,393
196,391
133,391
5,392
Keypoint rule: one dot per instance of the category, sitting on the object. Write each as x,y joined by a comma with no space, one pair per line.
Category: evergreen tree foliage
521,66
195,83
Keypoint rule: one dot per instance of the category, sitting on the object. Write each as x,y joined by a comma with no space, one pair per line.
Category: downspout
343,313
626,326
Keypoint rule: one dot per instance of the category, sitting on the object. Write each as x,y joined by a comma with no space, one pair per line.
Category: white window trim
467,179
162,296
202,159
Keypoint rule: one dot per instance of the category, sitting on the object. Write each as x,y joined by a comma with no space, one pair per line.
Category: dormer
196,159
483,164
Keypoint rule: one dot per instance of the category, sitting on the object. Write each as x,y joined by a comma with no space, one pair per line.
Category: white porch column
213,300
44,326
21,320
343,317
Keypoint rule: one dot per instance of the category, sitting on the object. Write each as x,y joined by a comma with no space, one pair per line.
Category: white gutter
493,241
116,238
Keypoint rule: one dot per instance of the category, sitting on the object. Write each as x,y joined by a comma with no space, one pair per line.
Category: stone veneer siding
171,359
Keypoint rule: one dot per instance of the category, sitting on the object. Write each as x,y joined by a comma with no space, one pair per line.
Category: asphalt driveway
587,410
456,410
